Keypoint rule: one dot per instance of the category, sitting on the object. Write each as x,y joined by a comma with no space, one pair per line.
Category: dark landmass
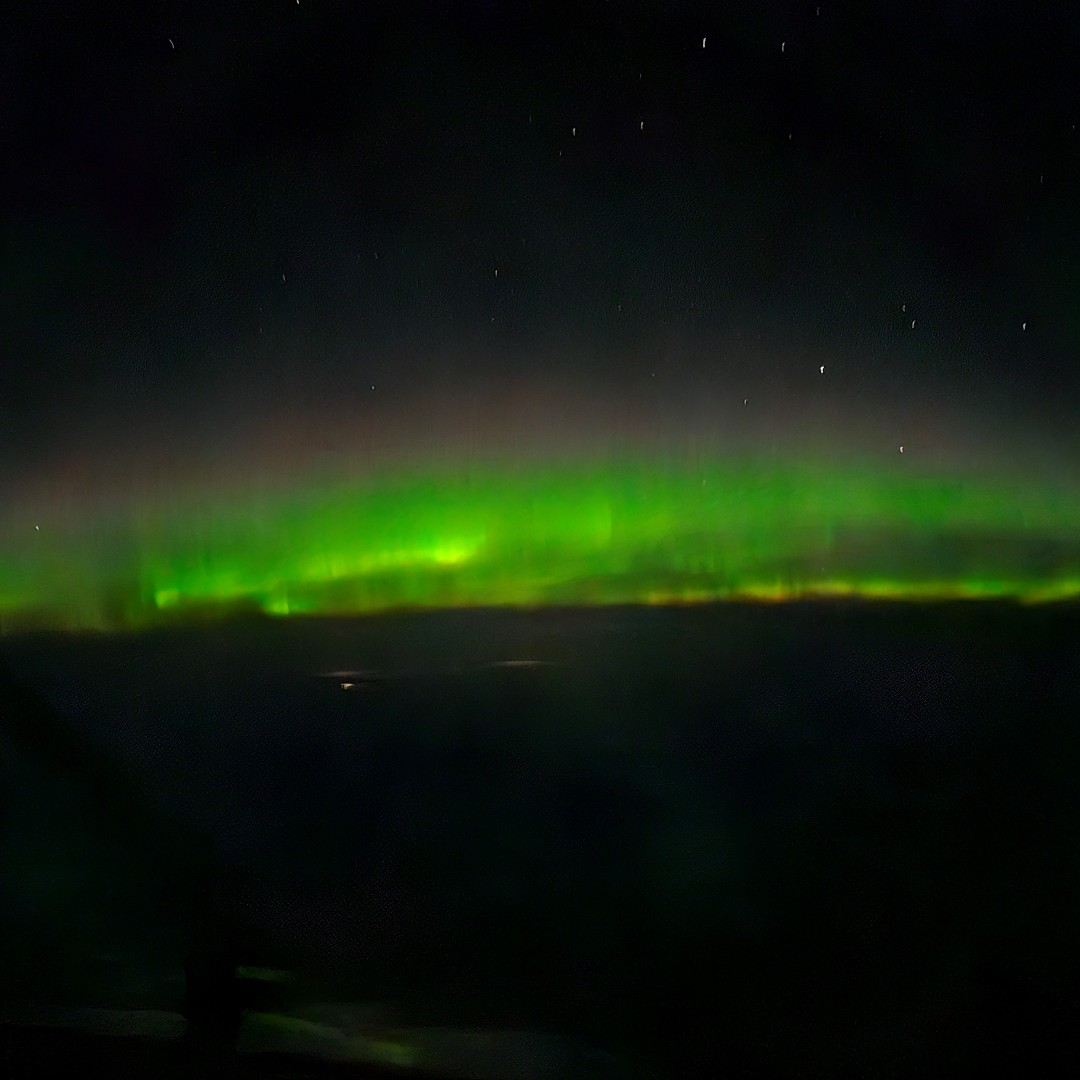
831,839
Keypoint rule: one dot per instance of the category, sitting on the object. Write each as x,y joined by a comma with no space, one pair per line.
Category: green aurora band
538,535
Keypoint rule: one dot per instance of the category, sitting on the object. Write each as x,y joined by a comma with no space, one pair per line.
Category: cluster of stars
912,322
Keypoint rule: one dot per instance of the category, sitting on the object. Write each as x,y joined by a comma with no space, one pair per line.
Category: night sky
260,254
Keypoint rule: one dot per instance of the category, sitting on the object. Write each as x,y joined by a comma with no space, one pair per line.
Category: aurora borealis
579,533
475,309
542,515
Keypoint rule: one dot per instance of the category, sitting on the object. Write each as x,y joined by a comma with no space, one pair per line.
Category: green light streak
591,533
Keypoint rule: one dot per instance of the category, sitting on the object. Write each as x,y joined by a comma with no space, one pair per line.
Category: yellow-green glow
326,1040
587,533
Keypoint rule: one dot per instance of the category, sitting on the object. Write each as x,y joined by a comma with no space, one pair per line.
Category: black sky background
223,224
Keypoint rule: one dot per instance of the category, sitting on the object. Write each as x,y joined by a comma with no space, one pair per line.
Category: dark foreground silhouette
194,889
832,841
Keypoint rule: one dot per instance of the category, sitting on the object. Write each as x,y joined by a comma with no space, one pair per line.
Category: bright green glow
592,533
